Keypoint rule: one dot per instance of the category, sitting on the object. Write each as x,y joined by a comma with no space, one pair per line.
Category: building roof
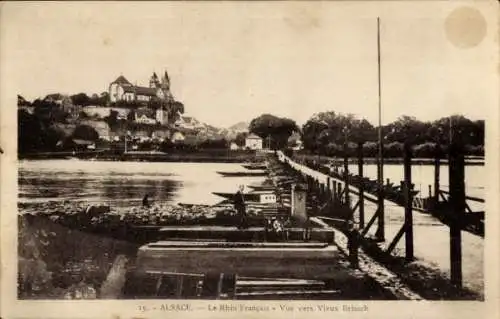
140,90
145,111
54,97
121,80
254,137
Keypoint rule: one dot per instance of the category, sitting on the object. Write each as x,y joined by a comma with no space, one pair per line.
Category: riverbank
201,156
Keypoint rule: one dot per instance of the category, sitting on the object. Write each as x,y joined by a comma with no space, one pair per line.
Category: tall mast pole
380,234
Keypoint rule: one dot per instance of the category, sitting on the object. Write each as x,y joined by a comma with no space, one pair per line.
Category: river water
126,183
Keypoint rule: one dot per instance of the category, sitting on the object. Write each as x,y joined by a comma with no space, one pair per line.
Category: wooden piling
457,205
361,187
380,232
353,246
346,177
334,186
437,168
408,203
339,192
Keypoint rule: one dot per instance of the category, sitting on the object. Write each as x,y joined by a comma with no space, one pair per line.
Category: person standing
239,205
145,201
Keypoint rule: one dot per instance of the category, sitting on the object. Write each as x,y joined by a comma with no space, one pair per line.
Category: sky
232,61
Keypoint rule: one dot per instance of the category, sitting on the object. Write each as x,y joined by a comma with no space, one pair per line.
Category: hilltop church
122,90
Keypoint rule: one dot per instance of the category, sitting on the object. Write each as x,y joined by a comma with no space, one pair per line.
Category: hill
239,127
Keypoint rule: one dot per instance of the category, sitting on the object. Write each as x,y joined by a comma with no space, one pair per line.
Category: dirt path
113,285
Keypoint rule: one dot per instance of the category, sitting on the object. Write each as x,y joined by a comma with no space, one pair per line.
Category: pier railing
339,197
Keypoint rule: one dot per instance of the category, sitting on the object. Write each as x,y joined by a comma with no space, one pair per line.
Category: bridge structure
441,229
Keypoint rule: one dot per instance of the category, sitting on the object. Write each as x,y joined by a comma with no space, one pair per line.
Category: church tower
154,82
165,81
165,85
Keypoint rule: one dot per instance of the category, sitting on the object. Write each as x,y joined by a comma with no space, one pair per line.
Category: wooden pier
437,241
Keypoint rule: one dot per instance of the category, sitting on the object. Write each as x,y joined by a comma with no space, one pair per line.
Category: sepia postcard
249,159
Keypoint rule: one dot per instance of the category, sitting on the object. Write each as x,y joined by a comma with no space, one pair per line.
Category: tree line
330,133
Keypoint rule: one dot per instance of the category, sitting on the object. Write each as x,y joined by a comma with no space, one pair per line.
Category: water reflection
125,183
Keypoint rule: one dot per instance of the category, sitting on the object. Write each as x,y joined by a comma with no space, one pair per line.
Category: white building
253,142
122,90
233,146
177,137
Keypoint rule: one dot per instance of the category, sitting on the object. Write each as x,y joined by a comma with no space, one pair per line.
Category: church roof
253,137
121,80
140,90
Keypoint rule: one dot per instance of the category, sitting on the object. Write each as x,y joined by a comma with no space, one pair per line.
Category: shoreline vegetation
222,156
48,128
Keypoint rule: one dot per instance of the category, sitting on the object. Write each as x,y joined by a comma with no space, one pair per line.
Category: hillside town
130,117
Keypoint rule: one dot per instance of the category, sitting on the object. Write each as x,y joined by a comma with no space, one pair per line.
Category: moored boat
262,187
255,166
264,197
241,174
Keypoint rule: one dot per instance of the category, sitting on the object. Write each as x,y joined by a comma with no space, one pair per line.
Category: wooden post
334,190
457,205
430,191
353,246
179,286
408,203
361,187
437,168
339,191
346,176
380,233
328,193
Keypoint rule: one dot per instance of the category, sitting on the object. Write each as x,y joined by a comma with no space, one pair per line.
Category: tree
174,109
21,101
49,112
407,129
85,132
325,128
112,119
277,129
80,99
104,98
29,132
130,116
240,139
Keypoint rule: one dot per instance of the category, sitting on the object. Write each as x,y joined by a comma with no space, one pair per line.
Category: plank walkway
431,237
115,281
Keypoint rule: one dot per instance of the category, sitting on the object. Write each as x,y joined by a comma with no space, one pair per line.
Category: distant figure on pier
145,201
239,205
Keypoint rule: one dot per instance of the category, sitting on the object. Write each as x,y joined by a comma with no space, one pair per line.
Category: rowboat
262,187
254,166
257,197
246,196
242,174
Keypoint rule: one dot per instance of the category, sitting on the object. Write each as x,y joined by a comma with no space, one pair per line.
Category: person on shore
239,205
145,201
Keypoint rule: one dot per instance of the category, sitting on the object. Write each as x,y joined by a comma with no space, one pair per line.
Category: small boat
262,187
264,197
255,166
243,174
